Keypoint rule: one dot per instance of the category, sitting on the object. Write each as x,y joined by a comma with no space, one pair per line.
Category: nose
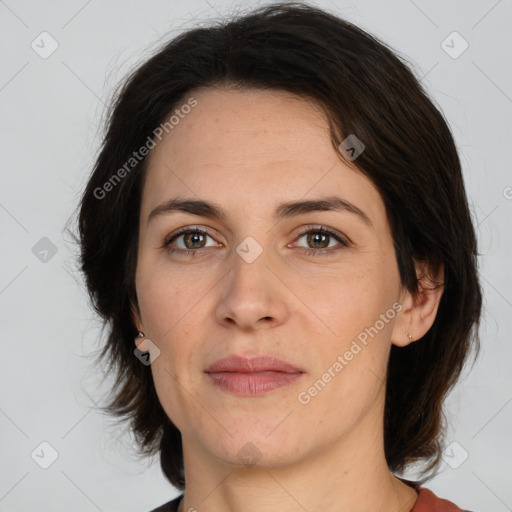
253,295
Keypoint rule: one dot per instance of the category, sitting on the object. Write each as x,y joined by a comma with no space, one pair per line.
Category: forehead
248,148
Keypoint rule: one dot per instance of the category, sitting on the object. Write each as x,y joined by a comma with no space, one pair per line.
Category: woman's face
252,283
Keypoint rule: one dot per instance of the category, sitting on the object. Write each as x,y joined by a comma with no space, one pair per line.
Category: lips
255,364
251,376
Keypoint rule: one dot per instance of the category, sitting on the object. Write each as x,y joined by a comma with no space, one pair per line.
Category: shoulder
170,506
428,502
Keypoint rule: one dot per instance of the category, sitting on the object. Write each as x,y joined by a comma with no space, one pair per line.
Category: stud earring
410,337
139,336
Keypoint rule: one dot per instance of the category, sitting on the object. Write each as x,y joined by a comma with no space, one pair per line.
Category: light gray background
51,110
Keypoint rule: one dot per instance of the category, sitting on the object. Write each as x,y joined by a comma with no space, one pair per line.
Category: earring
139,336
410,337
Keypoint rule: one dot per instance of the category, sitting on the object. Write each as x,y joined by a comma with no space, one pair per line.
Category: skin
248,151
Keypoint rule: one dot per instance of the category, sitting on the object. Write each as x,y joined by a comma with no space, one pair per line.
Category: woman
277,233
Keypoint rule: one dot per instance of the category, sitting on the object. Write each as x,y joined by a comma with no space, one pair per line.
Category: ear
419,310
140,343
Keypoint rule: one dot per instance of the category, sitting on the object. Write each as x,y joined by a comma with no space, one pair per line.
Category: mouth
252,376
252,383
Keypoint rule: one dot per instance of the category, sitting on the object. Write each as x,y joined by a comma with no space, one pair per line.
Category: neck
351,474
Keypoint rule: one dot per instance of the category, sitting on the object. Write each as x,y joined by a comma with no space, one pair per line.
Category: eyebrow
283,211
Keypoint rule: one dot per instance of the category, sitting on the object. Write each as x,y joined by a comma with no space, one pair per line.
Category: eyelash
344,243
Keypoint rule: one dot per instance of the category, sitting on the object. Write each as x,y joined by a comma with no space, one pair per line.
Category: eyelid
187,229
324,229
343,242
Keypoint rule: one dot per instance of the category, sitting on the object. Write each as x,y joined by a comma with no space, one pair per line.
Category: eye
192,238
320,238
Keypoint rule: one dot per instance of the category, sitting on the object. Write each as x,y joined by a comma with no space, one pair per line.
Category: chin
248,449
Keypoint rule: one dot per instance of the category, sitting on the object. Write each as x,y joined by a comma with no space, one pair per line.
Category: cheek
355,337
160,297
170,307
346,301
168,310
364,290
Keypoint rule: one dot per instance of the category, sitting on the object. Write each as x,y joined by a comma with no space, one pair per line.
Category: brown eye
195,239
187,241
318,240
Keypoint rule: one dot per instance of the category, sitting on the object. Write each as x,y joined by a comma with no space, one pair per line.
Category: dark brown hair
366,89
